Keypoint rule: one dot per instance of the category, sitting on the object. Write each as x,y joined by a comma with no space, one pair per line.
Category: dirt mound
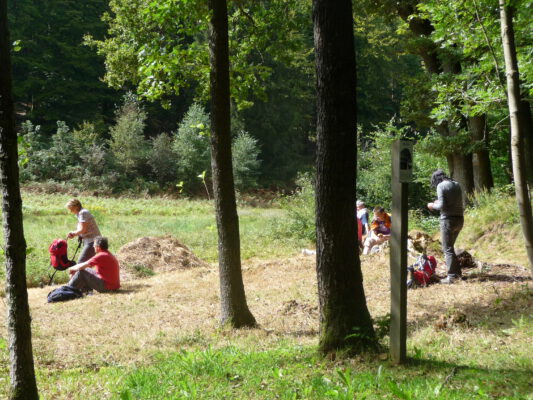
419,242
148,255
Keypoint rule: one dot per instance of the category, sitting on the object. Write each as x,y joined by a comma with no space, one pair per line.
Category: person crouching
106,273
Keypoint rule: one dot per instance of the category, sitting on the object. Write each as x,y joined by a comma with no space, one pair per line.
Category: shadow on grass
131,288
501,381
497,278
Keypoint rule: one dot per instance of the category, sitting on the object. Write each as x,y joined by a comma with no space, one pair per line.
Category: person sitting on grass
106,273
379,230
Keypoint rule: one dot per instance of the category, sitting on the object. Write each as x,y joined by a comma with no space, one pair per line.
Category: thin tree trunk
22,373
517,130
345,322
234,310
480,158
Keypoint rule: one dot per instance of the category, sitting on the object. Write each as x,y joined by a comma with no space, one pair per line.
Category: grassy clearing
124,220
158,338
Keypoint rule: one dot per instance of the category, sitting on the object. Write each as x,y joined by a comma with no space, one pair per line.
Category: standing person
450,204
106,273
86,230
379,230
362,214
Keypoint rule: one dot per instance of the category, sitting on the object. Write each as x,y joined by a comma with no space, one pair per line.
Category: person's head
74,206
379,212
360,204
101,243
437,177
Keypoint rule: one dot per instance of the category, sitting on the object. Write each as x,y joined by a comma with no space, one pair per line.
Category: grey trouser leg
87,252
449,230
86,279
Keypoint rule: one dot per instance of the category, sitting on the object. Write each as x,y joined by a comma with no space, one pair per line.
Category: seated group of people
374,233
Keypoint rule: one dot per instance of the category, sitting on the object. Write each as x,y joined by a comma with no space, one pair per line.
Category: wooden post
401,174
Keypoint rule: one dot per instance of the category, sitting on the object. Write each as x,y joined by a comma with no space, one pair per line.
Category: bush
127,145
163,160
191,145
245,153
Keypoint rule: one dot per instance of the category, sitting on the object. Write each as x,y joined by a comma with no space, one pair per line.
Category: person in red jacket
106,273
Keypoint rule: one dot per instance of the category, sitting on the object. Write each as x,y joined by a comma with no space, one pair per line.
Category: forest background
102,111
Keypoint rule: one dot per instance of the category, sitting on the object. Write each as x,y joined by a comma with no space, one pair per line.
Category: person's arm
80,266
80,230
437,204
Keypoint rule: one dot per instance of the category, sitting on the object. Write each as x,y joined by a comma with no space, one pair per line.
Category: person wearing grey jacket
450,204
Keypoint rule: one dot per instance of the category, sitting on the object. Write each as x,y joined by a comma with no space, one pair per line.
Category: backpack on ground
64,293
422,271
59,256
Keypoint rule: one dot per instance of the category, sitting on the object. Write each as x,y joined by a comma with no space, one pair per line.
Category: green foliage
374,168
163,160
127,145
55,77
191,145
162,46
245,153
300,209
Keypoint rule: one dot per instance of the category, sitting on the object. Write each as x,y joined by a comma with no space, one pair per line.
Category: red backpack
421,271
59,258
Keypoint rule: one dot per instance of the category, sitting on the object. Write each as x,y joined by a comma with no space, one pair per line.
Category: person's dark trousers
86,279
87,252
449,230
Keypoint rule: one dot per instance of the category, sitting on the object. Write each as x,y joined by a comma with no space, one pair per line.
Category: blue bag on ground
64,293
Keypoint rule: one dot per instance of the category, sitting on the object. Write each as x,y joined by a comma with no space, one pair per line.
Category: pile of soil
149,255
419,242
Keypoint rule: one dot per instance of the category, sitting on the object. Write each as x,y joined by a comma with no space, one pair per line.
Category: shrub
127,144
191,145
245,153
163,160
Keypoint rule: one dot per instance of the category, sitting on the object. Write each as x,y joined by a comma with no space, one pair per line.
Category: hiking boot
448,280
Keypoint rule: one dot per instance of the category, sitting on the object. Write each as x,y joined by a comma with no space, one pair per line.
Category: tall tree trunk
345,322
517,130
22,373
480,157
234,310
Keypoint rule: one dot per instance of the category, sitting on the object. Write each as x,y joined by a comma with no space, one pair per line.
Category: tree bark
517,129
22,373
480,158
234,310
345,321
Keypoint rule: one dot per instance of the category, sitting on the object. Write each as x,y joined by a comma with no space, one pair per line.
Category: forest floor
177,309
169,309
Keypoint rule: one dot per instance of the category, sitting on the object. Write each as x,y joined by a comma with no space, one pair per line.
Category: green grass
123,220
290,371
